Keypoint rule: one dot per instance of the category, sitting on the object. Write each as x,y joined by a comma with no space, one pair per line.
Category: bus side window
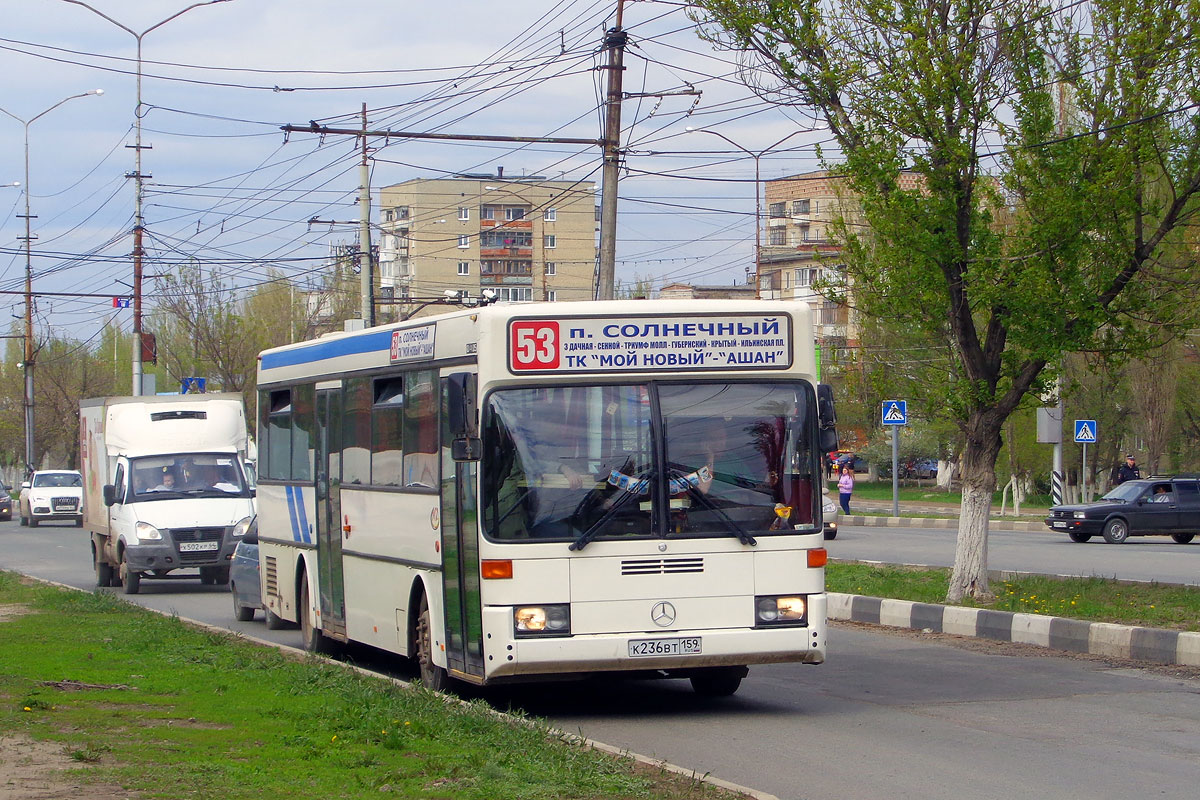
387,432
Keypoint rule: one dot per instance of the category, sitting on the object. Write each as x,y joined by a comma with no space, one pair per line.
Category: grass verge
1093,599
168,711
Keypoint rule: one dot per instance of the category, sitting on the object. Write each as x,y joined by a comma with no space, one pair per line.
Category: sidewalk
941,515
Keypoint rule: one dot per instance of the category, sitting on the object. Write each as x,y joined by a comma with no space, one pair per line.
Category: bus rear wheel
718,681
432,676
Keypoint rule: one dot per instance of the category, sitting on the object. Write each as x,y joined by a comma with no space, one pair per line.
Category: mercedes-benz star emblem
663,614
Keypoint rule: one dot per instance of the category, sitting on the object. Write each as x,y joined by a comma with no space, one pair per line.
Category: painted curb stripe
1057,633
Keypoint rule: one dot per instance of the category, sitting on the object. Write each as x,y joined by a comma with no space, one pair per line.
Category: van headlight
144,530
547,620
242,526
791,609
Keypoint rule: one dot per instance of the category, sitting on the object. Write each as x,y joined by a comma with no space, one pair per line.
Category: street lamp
756,155
139,222
28,363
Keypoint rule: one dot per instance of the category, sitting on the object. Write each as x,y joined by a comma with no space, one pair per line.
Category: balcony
506,252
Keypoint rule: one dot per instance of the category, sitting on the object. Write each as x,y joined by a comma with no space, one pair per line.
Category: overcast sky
231,192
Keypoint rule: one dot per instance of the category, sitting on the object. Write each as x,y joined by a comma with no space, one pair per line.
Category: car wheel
274,621
432,676
1116,531
79,522
33,523
130,580
24,520
830,534
240,612
1079,536
718,681
220,575
1183,538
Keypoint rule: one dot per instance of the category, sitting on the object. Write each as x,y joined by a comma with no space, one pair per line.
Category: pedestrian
845,487
1128,471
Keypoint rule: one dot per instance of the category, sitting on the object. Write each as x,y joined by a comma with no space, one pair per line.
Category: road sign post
895,414
1085,434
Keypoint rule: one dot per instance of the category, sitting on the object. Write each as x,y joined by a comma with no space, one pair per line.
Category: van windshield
187,475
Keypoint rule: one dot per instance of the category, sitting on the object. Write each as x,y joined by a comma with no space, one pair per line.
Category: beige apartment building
525,238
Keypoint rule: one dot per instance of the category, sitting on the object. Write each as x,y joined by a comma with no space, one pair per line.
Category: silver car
244,583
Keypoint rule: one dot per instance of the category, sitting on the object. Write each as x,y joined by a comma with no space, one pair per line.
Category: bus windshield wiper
743,536
594,529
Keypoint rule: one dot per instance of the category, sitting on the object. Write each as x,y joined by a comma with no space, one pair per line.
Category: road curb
1136,643
935,522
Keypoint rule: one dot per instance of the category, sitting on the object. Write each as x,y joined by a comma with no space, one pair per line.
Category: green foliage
170,711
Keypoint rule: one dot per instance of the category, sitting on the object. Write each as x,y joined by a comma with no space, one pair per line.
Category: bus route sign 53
651,344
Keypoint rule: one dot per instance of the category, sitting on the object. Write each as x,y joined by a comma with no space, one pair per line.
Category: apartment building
526,238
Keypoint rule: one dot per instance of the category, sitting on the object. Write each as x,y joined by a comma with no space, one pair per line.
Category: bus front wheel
311,638
718,681
432,676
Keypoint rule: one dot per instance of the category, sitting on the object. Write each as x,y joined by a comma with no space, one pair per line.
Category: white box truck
164,487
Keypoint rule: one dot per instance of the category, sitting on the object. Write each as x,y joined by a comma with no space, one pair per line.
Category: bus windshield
650,460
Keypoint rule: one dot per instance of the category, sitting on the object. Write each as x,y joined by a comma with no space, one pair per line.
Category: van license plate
198,547
682,646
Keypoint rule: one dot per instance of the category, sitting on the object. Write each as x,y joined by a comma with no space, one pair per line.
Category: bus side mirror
110,494
461,417
826,418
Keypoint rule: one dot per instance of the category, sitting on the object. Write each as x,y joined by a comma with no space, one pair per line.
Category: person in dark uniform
1128,470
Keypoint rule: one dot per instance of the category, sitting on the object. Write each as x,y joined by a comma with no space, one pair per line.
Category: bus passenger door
328,468
460,557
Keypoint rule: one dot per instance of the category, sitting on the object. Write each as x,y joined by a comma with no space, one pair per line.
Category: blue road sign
193,386
1085,431
895,412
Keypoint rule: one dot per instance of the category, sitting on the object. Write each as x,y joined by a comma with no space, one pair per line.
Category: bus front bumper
505,655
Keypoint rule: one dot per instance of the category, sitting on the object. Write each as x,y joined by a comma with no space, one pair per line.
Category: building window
775,210
804,233
551,268
464,268
503,237
549,241
515,294
551,295
464,213
800,206
464,241
388,215
487,212
550,215
777,237
512,213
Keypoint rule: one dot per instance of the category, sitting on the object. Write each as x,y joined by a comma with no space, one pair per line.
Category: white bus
526,491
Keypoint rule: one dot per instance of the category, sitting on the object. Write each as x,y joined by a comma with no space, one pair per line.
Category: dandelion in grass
334,739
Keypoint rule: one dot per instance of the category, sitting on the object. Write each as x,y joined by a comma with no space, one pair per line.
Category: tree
1002,221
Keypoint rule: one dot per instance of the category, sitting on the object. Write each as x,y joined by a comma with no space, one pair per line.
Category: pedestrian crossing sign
895,412
1085,431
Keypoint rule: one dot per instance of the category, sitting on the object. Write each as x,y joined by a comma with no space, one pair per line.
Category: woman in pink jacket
845,487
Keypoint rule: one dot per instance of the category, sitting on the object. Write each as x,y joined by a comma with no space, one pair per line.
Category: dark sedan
1151,507
6,503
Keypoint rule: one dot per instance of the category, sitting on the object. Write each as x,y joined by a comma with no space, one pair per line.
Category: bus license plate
682,646
198,547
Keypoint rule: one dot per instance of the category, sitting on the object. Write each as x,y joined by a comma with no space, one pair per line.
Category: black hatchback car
1152,507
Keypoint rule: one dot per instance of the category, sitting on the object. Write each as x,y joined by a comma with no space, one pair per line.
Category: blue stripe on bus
291,504
302,512
319,351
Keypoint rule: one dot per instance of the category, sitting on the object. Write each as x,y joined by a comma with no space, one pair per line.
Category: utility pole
614,41
366,278
139,222
27,364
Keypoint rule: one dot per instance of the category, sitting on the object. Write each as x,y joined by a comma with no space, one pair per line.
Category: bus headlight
242,526
547,620
144,530
780,610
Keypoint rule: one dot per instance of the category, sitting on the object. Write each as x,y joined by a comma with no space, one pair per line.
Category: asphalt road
896,716
1141,558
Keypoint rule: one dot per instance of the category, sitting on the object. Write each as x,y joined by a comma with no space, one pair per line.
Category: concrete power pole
366,278
614,41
